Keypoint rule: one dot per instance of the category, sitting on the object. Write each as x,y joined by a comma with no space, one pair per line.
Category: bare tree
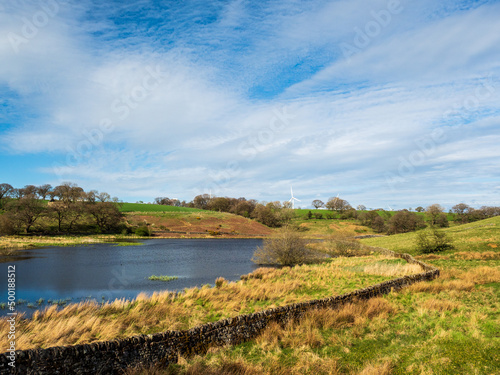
201,201
43,190
105,214
318,203
30,190
69,192
6,191
405,221
338,204
436,215
286,248
26,211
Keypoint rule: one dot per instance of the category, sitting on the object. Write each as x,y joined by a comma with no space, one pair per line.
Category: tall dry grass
385,269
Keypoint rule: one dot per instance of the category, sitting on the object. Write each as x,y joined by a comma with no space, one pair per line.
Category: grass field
447,326
143,207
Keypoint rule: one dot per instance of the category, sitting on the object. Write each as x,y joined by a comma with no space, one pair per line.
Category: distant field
143,207
302,213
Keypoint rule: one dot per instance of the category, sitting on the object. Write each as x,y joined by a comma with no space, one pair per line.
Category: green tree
432,241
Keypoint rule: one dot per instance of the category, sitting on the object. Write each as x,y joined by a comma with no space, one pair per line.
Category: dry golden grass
432,257
25,242
457,280
384,269
437,287
482,275
307,331
477,255
440,305
377,369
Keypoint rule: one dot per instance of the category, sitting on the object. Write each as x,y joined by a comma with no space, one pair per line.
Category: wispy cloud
242,98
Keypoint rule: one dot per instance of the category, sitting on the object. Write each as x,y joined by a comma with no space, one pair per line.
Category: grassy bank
447,326
11,243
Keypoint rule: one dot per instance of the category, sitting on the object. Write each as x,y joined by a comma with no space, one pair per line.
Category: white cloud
196,127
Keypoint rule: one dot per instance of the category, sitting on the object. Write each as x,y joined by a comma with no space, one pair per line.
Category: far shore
24,242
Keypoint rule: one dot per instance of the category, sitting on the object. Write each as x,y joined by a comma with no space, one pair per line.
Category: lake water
108,271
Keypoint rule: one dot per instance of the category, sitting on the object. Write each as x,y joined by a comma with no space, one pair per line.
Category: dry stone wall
111,357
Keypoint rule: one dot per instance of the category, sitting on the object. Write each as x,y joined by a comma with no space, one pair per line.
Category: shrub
318,215
441,221
286,248
162,278
432,241
342,243
7,226
143,231
220,281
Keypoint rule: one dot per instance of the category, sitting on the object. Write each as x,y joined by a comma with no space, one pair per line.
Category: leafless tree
286,248
318,203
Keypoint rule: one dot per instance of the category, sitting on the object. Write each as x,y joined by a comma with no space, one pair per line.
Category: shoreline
9,244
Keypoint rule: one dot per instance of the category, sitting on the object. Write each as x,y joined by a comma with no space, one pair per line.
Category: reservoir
104,272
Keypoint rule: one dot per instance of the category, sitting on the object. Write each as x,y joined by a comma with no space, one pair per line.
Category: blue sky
389,103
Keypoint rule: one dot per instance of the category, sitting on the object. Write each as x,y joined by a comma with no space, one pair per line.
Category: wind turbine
293,199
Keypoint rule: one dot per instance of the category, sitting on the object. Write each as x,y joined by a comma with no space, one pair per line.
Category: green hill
144,207
480,236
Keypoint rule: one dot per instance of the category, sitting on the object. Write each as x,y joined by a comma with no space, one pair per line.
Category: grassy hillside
480,236
197,223
143,207
447,326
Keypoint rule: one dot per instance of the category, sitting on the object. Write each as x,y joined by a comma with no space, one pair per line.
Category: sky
385,103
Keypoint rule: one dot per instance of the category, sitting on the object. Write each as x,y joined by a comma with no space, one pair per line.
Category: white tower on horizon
293,199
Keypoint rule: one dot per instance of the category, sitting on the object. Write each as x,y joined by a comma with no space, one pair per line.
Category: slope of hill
143,207
197,223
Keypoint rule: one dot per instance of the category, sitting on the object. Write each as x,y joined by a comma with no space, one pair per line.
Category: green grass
143,207
478,236
162,278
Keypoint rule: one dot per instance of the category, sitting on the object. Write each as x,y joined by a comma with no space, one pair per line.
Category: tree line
70,209
273,214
